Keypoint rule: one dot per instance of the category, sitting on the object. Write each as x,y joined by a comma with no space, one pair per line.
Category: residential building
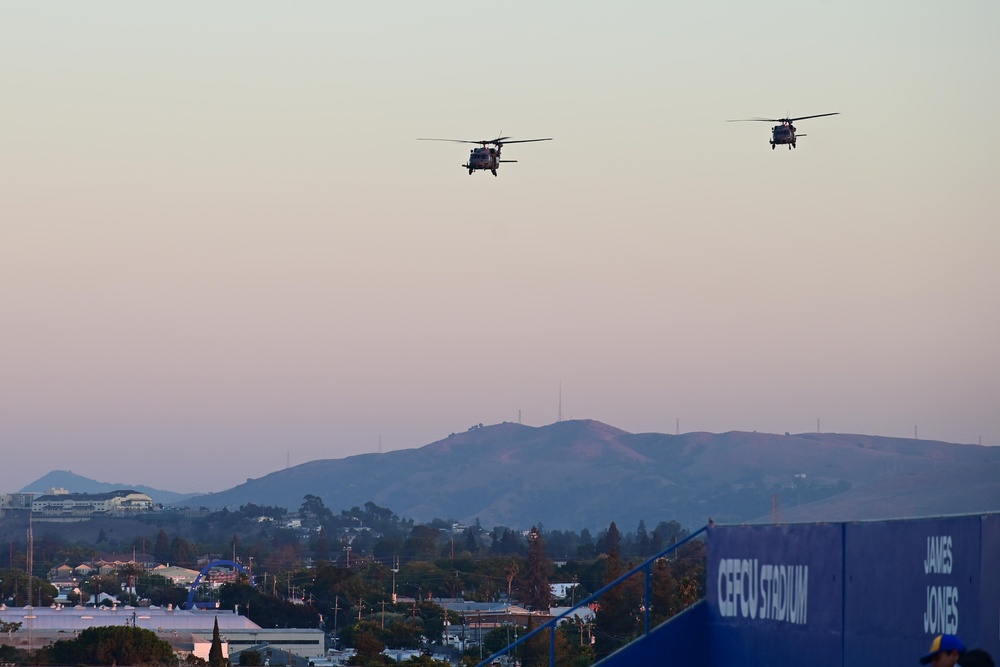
65,505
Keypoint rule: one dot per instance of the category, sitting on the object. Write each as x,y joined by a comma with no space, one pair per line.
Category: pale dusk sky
222,249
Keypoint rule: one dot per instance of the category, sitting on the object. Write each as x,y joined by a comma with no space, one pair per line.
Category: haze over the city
223,251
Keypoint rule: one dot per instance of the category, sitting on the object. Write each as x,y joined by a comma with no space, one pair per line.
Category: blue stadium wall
833,595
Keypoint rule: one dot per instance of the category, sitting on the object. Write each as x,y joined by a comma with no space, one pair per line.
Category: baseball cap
943,643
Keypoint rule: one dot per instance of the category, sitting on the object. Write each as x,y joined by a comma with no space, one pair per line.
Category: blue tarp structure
836,595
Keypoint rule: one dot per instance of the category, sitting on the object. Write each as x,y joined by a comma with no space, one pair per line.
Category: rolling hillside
577,474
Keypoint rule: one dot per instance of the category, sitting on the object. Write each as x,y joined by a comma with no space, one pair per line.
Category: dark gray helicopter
484,157
784,133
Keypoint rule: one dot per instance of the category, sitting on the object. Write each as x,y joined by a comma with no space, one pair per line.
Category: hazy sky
222,250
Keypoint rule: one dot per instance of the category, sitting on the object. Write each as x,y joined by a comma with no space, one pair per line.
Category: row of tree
356,603
344,572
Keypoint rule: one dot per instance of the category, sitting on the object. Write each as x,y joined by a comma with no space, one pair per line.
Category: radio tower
560,401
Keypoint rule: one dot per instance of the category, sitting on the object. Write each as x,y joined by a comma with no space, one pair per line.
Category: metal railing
550,625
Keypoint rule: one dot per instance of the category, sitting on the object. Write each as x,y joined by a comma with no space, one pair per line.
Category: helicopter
484,157
784,133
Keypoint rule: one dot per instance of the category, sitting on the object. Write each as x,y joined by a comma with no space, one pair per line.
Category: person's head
977,657
944,652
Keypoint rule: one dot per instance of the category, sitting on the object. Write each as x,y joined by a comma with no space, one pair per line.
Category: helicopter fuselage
783,134
483,158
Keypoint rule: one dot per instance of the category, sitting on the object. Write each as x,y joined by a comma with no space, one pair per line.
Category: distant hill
64,479
576,474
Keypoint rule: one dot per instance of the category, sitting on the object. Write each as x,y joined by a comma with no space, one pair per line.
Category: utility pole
336,608
395,569
31,554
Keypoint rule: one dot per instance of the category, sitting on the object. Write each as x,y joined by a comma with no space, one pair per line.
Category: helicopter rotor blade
525,141
782,120
457,141
499,141
819,115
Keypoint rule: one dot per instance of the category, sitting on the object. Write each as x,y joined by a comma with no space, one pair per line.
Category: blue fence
851,593
827,595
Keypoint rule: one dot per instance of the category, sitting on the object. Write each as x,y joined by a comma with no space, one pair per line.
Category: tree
617,619
215,657
643,544
502,637
182,552
471,543
667,533
9,627
586,547
536,649
107,584
10,655
128,575
159,590
161,550
610,541
112,645
422,544
321,548
368,649
314,511
534,583
18,586
250,658
509,544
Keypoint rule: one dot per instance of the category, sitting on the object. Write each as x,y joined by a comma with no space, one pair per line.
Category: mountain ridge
74,483
585,474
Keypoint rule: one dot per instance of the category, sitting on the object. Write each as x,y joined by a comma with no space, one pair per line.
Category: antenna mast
775,508
31,552
560,401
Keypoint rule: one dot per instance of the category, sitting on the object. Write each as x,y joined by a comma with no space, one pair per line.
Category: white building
193,628
77,505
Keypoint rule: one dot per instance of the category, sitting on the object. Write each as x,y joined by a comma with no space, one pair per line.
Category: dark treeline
372,578
275,542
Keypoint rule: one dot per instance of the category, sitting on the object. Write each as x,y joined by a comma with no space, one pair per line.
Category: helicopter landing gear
470,172
494,171
772,145
793,145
